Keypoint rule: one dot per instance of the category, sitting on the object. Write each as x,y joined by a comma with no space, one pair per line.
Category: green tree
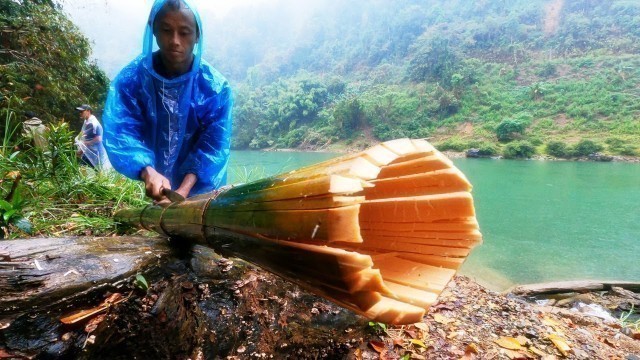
509,130
557,149
586,147
45,62
518,149
435,60
350,116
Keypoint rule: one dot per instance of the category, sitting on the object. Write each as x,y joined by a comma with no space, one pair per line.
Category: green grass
59,196
627,320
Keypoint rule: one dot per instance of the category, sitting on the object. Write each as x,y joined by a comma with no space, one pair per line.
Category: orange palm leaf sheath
380,232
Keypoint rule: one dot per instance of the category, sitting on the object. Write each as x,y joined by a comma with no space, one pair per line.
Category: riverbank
341,148
614,158
471,322
195,304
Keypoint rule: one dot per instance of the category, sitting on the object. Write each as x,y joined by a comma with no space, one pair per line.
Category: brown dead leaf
357,354
610,343
411,333
81,315
508,343
537,351
398,342
439,318
6,355
636,335
385,355
92,325
472,348
515,355
422,326
13,175
378,346
560,344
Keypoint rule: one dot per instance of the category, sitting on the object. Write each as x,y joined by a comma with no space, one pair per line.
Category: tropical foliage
47,192
493,71
44,68
44,63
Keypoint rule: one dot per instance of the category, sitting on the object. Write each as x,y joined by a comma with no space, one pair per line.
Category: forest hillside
513,77
505,77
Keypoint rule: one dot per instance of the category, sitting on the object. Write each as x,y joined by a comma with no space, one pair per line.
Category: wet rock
600,157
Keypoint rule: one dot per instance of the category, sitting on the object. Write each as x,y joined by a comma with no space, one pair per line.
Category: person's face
84,114
176,36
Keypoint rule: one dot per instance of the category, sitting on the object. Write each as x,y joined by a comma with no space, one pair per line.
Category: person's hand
154,183
187,183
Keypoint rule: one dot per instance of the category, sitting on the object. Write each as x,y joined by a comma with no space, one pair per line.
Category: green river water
541,220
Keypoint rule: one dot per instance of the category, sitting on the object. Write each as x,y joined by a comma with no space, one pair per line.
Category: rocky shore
203,306
471,322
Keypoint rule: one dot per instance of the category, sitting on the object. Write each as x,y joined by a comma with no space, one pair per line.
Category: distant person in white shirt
89,141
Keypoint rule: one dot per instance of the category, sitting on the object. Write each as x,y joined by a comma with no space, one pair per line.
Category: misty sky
115,27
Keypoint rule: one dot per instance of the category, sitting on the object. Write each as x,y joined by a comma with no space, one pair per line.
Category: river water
541,220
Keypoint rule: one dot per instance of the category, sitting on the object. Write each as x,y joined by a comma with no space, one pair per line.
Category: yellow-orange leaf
509,343
418,343
537,351
472,348
560,344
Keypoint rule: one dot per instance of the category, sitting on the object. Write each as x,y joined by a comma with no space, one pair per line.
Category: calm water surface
541,221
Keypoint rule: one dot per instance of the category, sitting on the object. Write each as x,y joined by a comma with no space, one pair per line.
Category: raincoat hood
178,126
149,42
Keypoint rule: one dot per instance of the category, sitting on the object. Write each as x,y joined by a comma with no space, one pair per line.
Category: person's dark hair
175,5
29,114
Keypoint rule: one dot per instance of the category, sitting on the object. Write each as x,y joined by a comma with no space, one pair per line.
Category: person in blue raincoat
167,119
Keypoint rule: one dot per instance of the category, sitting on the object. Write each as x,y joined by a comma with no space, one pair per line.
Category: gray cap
83,107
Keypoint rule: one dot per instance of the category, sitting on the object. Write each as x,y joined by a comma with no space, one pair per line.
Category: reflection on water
541,221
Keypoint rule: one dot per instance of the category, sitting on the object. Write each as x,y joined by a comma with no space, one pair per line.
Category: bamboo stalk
380,232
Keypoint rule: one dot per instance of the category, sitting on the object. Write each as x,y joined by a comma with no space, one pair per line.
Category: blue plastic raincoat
177,126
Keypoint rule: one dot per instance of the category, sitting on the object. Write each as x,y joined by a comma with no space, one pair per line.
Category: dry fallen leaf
515,355
610,343
560,344
378,346
398,341
439,318
537,351
422,326
522,340
357,354
411,333
472,348
418,343
92,325
550,322
81,315
6,355
508,343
